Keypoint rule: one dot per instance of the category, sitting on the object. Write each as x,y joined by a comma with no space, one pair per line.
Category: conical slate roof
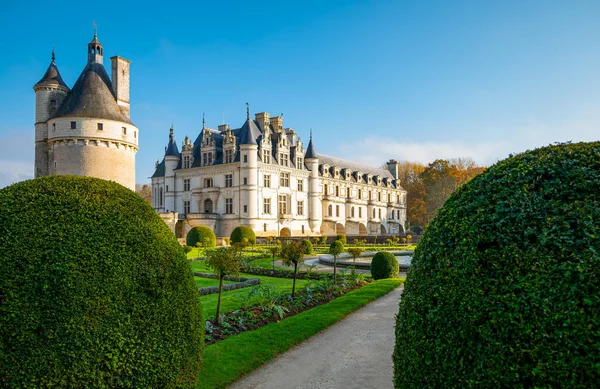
92,96
310,150
172,148
52,76
249,133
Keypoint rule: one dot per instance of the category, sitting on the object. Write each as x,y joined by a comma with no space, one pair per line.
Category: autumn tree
145,192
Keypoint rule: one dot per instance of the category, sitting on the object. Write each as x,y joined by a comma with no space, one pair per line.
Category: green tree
274,251
199,247
335,249
224,261
355,252
293,253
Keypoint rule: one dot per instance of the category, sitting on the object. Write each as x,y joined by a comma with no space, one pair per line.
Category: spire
53,54
310,150
52,76
247,111
203,126
172,149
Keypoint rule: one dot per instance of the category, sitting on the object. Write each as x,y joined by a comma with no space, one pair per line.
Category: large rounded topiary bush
342,238
384,265
201,234
241,232
308,246
95,291
503,290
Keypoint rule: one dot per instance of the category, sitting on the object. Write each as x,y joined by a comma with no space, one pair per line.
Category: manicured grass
234,299
204,282
226,361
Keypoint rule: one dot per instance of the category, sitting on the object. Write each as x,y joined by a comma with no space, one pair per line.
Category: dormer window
228,156
299,162
283,159
267,156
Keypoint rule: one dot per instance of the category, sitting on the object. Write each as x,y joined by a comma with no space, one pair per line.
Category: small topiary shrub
202,234
95,290
308,247
384,265
341,238
503,289
187,249
241,232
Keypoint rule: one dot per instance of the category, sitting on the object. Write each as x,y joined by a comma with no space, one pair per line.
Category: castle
86,130
262,175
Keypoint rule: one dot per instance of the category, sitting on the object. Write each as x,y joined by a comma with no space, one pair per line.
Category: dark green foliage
242,232
187,249
384,265
95,291
308,247
341,238
503,290
202,234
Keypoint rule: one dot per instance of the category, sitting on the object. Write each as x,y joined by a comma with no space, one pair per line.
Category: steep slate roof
249,133
160,170
52,76
92,96
171,148
355,166
310,150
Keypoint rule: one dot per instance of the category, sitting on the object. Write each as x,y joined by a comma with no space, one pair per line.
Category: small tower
50,92
171,161
249,171
311,160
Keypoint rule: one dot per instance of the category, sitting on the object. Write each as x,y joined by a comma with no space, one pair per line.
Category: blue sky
410,80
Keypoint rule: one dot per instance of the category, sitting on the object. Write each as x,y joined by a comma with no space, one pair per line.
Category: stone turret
249,172
311,160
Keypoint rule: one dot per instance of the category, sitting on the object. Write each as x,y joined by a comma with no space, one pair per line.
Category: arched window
330,210
208,206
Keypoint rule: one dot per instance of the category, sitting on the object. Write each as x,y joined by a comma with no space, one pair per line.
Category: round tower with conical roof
86,131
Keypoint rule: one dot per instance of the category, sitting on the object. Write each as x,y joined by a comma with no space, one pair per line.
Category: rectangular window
359,212
283,205
229,206
186,162
284,180
210,159
300,208
299,163
380,213
53,126
100,126
359,194
228,180
73,125
208,182
245,181
228,156
267,180
245,208
265,227
52,105
124,130
186,207
300,185
186,184
337,191
283,159
337,211
303,228
267,206
135,135
267,156
245,158
204,159
378,196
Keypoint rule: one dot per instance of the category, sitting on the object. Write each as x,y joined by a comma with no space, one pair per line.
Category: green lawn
228,360
204,282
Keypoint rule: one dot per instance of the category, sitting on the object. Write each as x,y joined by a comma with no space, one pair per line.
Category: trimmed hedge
241,232
308,247
95,291
503,290
201,234
384,265
342,238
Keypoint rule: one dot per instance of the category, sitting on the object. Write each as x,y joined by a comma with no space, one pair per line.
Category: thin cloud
14,171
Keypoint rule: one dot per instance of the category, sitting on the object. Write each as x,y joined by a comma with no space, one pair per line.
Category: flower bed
274,307
302,275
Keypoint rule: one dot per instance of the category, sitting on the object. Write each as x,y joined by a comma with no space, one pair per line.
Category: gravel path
354,353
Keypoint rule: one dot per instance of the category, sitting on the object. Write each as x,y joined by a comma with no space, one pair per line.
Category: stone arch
383,230
340,229
362,229
285,232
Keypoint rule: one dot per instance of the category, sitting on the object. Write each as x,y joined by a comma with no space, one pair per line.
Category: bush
202,234
187,249
95,290
308,247
341,238
241,232
503,290
384,265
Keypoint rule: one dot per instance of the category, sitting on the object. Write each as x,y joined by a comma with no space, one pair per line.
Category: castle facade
263,176
87,130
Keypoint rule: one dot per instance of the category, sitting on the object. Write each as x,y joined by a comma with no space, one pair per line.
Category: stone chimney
120,82
392,166
263,119
277,123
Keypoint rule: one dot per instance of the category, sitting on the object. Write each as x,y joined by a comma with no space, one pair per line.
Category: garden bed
275,307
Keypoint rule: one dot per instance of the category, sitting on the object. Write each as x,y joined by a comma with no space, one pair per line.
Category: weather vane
95,29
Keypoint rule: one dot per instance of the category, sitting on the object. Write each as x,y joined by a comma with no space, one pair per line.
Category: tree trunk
294,284
219,299
334,267
273,262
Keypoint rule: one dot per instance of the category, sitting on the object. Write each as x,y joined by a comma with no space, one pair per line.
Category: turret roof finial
311,133
247,111
53,54
95,29
203,126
